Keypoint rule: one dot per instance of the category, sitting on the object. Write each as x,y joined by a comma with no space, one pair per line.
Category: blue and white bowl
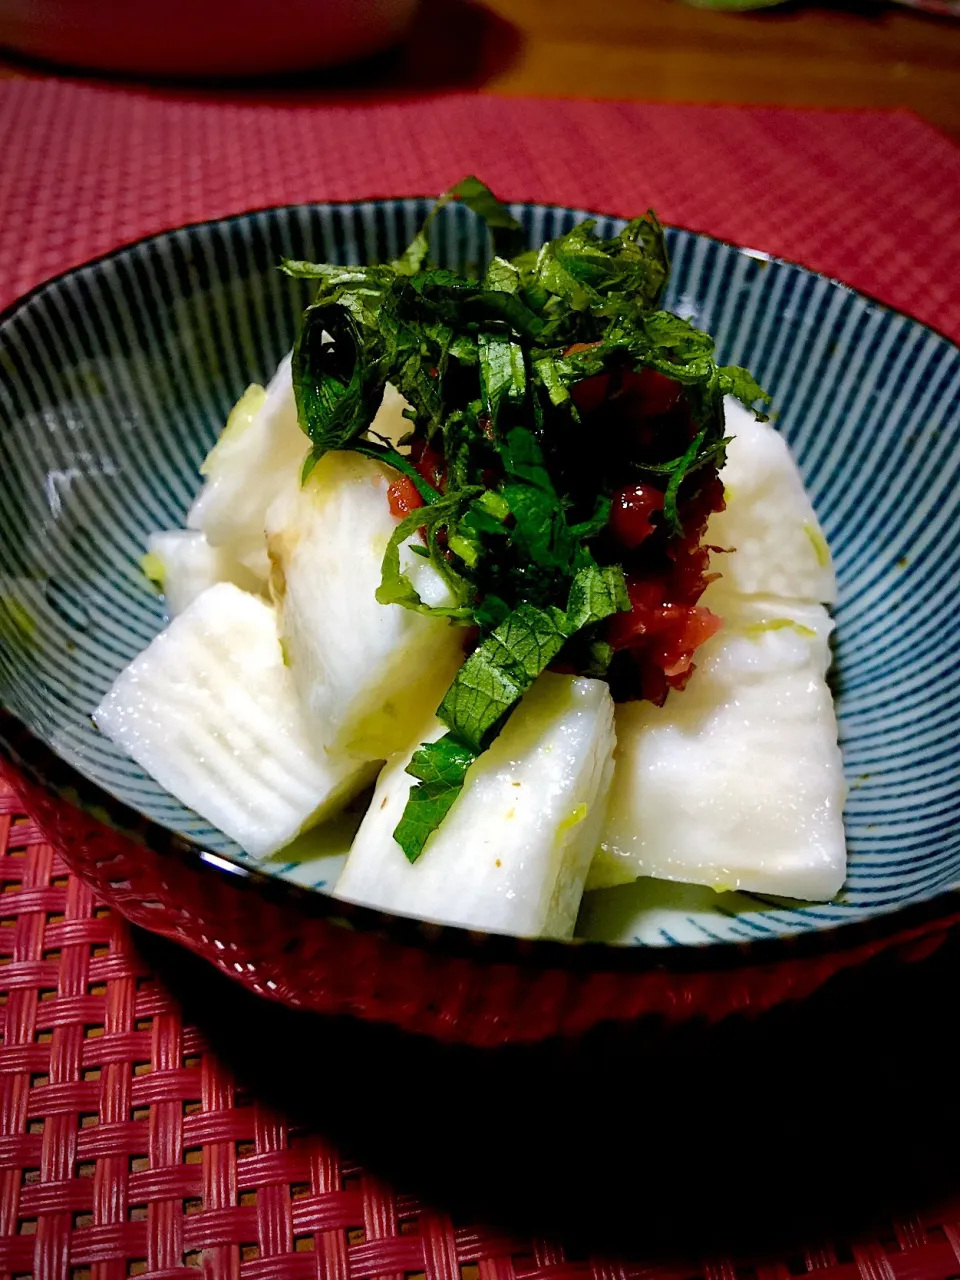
116,377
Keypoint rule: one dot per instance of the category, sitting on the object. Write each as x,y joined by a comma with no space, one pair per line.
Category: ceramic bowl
114,380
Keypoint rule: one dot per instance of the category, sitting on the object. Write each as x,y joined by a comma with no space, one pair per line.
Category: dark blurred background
853,53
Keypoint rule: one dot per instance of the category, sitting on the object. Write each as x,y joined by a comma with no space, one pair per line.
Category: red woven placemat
871,197
126,1148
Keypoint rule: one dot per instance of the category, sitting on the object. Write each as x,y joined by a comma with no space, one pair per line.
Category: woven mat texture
871,197
127,1148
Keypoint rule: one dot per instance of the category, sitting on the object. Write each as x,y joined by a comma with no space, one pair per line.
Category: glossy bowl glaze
114,380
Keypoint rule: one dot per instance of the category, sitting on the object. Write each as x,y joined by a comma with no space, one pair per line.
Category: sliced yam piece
209,710
769,521
183,564
512,854
260,452
736,783
365,671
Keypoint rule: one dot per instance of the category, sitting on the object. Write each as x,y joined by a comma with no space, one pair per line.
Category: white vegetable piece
512,854
183,564
737,782
260,451
209,710
365,672
780,547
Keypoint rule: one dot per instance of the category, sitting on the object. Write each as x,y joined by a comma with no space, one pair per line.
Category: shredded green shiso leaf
516,529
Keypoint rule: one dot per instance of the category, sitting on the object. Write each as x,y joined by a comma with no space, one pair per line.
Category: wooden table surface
856,53
846,55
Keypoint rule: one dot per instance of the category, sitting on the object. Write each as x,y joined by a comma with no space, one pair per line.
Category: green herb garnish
493,369
441,767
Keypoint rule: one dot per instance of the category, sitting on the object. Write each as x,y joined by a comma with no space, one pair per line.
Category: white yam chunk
259,453
183,564
365,672
780,547
512,854
736,783
210,711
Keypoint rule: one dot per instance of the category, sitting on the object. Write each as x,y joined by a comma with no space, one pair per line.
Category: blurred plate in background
202,37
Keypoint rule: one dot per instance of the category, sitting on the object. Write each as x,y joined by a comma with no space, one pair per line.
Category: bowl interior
116,378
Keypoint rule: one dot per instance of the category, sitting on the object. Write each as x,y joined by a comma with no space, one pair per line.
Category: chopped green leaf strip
677,477
523,459
493,504
601,655
596,594
396,587
337,396
502,275
738,382
505,229
597,522
554,275
540,532
319,270
415,254
550,373
468,550
503,374
490,612
480,199
441,767
500,671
